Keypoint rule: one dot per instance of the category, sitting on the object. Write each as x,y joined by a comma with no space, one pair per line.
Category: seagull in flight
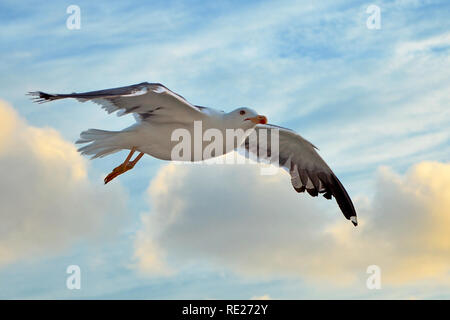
159,111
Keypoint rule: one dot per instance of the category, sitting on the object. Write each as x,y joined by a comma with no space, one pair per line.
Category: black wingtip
41,97
301,189
343,199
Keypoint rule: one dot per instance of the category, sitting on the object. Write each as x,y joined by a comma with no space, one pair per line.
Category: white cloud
410,47
47,203
230,216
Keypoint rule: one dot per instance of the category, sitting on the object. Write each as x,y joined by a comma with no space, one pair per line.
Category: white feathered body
157,138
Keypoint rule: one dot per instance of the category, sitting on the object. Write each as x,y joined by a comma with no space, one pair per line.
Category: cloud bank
232,217
46,201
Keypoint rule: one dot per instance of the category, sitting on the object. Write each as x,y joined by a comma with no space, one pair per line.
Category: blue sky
369,99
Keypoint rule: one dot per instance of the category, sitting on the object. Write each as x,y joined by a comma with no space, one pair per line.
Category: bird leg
125,166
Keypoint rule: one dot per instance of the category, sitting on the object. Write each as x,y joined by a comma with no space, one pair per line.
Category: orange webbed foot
117,171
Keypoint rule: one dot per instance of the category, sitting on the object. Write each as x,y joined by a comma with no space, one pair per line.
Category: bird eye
242,112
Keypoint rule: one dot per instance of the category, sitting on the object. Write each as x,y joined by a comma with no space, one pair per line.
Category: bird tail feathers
100,143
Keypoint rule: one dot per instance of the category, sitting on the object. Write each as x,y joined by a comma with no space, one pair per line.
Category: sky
374,100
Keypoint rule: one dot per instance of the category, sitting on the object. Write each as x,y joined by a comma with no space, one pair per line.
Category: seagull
159,111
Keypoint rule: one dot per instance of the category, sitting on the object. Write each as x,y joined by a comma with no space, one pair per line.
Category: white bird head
245,118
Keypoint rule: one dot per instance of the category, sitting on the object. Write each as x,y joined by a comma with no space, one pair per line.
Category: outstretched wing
307,169
148,101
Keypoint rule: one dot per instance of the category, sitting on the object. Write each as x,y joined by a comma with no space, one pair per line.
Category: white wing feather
147,101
